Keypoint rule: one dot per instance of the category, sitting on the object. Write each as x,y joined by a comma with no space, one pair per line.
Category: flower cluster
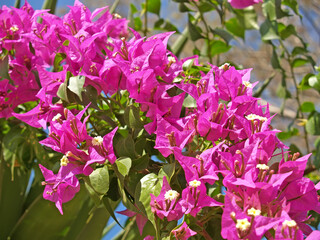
223,139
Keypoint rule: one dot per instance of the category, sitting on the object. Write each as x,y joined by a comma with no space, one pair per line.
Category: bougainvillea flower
199,167
243,3
59,188
183,232
141,220
194,198
167,204
43,113
104,146
170,138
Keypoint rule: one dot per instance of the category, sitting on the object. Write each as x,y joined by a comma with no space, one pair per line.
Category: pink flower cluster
226,136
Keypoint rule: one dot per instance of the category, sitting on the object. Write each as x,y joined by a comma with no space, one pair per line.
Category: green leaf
187,65
218,47
247,17
124,165
287,31
298,62
50,4
42,220
57,60
299,51
146,186
269,9
269,30
4,67
194,31
226,36
99,180
275,63
189,102
307,107
62,92
235,27
11,197
154,6
110,207
313,124
141,163
286,135
76,85
125,147
168,171
293,4
282,92
132,117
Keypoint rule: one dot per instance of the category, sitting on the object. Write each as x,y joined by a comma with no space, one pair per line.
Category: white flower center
64,161
243,224
96,141
194,183
262,167
254,212
291,223
171,195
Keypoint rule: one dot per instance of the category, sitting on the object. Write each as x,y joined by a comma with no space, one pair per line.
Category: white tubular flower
56,117
243,224
254,212
255,117
14,28
171,195
117,16
171,59
247,84
64,161
194,183
291,223
262,167
96,141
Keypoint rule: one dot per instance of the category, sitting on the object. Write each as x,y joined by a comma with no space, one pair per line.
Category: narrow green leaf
110,208
50,4
225,35
194,31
